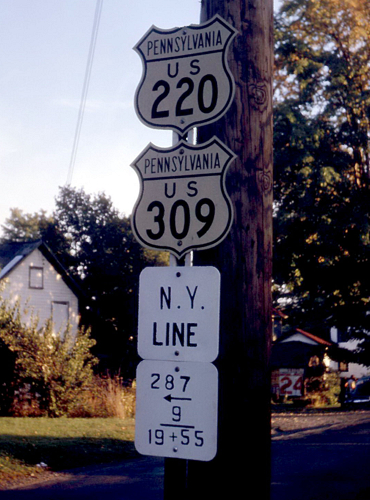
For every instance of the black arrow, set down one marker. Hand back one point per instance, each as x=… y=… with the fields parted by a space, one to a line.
x=170 y=398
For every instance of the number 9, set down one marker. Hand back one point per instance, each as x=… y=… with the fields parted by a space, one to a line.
x=208 y=218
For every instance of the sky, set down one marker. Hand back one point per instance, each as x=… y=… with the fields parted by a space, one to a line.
x=44 y=47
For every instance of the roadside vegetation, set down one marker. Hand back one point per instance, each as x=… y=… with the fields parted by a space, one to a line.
x=324 y=391
x=53 y=375
x=49 y=376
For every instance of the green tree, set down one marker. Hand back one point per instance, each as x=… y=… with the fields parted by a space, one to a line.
x=322 y=164
x=96 y=245
x=108 y=260
x=25 y=227
x=20 y=227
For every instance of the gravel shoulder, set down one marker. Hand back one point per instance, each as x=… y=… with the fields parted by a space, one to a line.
x=290 y=425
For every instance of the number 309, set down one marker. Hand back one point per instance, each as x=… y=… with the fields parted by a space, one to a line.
x=181 y=232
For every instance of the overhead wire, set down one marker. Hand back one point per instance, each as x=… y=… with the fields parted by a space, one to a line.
x=85 y=88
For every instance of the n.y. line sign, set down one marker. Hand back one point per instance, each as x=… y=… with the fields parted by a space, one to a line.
x=179 y=310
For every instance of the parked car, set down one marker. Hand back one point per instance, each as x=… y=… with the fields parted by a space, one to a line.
x=360 y=394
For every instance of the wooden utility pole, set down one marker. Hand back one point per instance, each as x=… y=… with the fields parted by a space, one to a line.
x=241 y=468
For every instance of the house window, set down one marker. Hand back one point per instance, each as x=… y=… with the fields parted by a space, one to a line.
x=343 y=335
x=36 y=277
x=343 y=366
x=60 y=316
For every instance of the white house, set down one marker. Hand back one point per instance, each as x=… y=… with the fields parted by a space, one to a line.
x=344 y=342
x=30 y=273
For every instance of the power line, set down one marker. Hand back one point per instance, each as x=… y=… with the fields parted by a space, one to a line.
x=90 y=59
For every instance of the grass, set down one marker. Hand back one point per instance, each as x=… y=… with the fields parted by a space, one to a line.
x=31 y=446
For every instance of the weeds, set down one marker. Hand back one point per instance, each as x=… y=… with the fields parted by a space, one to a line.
x=105 y=397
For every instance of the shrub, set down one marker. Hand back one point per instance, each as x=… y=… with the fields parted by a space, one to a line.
x=51 y=370
x=105 y=397
x=323 y=390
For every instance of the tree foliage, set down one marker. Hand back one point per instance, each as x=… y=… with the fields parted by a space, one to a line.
x=25 y=227
x=95 y=244
x=57 y=367
x=20 y=227
x=322 y=163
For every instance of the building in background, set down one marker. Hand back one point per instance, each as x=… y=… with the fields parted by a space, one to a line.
x=32 y=275
x=343 y=340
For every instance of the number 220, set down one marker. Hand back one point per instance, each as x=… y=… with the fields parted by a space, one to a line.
x=208 y=81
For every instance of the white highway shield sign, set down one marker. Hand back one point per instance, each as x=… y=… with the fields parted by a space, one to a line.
x=179 y=309
x=183 y=203
x=186 y=80
x=176 y=410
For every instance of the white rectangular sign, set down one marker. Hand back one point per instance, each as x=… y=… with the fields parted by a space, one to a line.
x=179 y=309
x=176 y=410
x=291 y=382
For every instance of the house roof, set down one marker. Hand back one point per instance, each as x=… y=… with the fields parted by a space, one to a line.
x=309 y=336
x=13 y=252
x=319 y=340
x=278 y=312
x=293 y=351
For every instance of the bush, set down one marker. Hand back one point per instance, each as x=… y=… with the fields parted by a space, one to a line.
x=105 y=397
x=50 y=370
x=323 y=390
